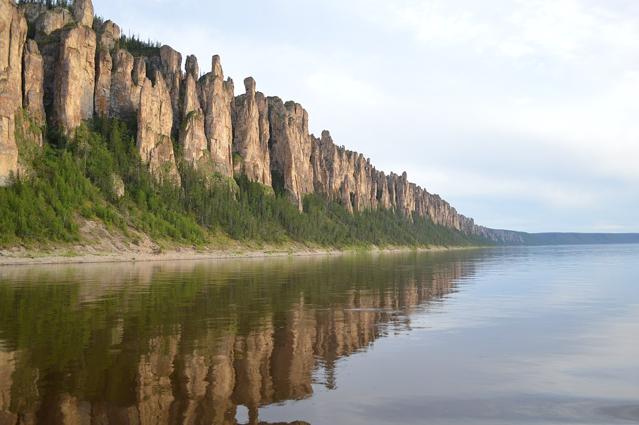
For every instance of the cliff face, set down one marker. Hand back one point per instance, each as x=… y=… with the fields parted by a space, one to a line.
x=13 y=32
x=70 y=72
x=155 y=120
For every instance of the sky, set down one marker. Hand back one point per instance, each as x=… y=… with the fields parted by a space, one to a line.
x=523 y=114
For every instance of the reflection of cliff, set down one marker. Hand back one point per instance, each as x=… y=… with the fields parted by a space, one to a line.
x=189 y=345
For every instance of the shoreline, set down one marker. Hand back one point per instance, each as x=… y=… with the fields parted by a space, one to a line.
x=41 y=258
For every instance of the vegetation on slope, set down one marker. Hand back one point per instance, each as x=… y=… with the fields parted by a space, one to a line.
x=76 y=178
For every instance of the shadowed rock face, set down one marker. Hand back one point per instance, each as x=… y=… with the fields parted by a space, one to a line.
x=251 y=134
x=13 y=32
x=127 y=79
x=33 y=80
x=155 y=120
x=171 y=68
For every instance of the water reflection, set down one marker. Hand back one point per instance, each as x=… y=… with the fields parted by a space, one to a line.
x=190 y=342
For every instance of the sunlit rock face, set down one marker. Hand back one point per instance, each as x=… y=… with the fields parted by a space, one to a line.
x=216 y=97
x=83 y=12
x=75 y=78
x=251 y=134
x=290 y=149
x=13 y=33
x=155 y=120
x=344 y=176
x=193 y=140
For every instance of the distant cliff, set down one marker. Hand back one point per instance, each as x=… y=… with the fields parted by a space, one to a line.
x=64 y=67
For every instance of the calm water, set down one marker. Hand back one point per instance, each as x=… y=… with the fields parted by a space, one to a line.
x=512 y=336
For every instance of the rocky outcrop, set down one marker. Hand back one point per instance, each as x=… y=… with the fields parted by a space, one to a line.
x=127 y=79
x=108 y=35
x=104 y=67
x=216 y=96
x=343 y=175
x=33 y=82
x=48 y=29
x=75 y=78
x=13 y=32
x=251 y=134
x=193 y=140
x=53 y=20
x=83 y=12
x=290 y=149
x=171 y=68
x=155 y=119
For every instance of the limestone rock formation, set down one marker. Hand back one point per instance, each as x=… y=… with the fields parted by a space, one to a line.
x=192 y=67
x=13 y=33
x=192 y=136
x=127 y=79
x=251 y=129
x=33 y=81
x=343 y=175
x=155 y=119
x=75 y=78
x=108 y=35
x=104 y=67
x=53 y=20
x=48 y=29
x=216 y=96
x=290 y=149
x=171 y=68
x=83 y=12
x=32 y=11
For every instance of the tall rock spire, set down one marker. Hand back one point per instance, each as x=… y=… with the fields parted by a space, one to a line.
x=13 y=33
x=251 y=129
x=216 y=96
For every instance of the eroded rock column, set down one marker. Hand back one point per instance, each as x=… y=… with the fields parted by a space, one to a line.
x=193 y=140
x=290 y=149
x=75 y=71
x=251 y=128
x=155 y=119
x=13 y=33
x=216 y=96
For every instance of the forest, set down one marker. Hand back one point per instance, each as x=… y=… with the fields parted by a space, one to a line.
x=98 y=175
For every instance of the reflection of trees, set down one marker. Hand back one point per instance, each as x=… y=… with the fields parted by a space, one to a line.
x=188 y=343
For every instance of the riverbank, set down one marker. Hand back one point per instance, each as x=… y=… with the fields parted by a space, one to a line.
x=20 y=257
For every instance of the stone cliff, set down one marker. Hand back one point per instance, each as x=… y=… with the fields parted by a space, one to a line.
x=71 y=69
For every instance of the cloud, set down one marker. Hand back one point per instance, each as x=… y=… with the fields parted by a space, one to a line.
x=565 y=29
